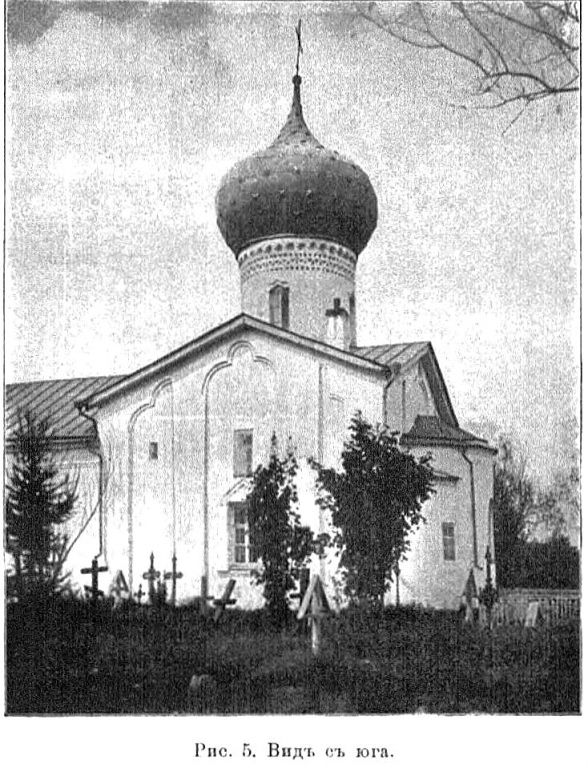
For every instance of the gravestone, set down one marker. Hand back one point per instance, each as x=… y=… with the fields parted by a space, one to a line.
x=533 y=614
x=314 y=607
x=119 y=589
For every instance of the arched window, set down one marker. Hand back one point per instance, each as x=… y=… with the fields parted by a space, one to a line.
x=279 y=306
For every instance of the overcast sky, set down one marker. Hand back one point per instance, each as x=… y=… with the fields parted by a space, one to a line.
x=123 y=117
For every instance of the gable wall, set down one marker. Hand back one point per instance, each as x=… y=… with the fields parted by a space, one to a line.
x=408 y=396
x=252 y=381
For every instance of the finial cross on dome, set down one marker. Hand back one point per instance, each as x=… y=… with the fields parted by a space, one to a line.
x=299 y=37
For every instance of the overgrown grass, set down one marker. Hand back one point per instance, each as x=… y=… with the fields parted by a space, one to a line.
x=64 y=658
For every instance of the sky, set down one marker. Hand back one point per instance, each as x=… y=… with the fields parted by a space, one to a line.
x=122 y=118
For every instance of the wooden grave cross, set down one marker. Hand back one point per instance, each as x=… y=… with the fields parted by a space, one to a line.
x=224 y=600
x=139 y=594
x=151 y=576
x=95 y=593
x=315 y=607
x=174 y=575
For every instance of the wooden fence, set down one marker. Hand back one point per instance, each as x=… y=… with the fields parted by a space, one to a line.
x=556 y=606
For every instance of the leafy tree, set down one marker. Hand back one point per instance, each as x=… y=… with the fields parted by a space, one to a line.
x=522 y=515
x=556 y=512
x=513 y=502
x=375 y=502
x=39 y=498
x=282 y=543
x=519 y=52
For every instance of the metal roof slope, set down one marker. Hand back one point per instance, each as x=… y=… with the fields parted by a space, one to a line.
x=391 y=354
x=432 y=430
x=55 y=401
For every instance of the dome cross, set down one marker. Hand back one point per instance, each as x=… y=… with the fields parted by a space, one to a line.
x=299 y=50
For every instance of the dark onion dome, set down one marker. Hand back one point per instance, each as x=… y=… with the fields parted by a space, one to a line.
x=296 y=187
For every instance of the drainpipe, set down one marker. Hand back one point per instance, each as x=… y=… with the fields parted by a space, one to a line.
x=320 y=439
x=82 y=408
x=470 y=463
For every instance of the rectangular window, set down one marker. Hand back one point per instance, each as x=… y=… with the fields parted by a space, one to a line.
x=448 y=532
x=279 y=306
x=243 y=551
x=242 y=452
x=153 y=451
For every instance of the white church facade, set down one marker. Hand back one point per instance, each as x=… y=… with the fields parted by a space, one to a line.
x=165 y=454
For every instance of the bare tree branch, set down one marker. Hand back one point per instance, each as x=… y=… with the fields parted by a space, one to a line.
x=524 y=51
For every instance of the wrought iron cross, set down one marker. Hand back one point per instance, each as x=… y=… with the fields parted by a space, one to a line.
x=174 y=575
x=151 y=576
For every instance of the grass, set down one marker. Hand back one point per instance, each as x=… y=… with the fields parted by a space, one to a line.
x=63 y=658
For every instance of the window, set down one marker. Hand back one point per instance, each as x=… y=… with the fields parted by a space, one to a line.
x=448 y=532
x=242 y=452
x=243 y=550
x=279 y=306
x=153 y=451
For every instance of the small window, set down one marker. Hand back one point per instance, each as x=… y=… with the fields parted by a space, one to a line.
x=279 y=306
x=242 y=452
x=153 y=451
x=448 y=532
x=243 y=550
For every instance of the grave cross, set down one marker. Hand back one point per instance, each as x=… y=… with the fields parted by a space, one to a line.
x=94 y=570
x=151 y=576
x=174 y=575
x=224 y=600
x=139 y=594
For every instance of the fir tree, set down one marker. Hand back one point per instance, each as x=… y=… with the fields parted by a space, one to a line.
x=39 y=498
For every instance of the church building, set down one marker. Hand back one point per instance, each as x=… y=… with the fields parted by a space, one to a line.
x=165 y=454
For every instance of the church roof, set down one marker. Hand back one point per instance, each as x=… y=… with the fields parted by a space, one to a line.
x=431 y=430
x=54 y=400
x=58 y=399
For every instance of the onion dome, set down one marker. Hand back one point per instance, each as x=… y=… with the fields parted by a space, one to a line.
x=296 y=187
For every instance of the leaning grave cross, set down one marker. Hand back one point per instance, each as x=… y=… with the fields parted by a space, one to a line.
x=224 y=600
x=315 y=607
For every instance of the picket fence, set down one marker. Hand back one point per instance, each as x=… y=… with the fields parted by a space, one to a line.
x=556 y=606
